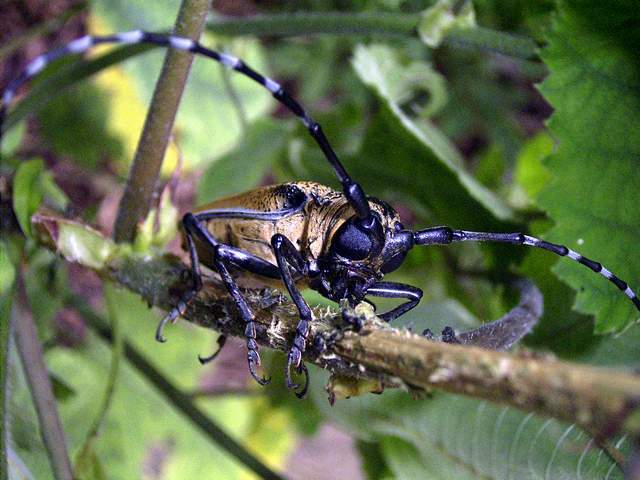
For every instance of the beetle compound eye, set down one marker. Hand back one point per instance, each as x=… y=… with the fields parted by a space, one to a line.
x=351 y=242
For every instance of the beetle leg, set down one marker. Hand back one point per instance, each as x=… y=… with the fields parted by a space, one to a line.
x=449 y=335
x=396 y=290
x=221 y=255
x=253 y=357
x=288 y=257
x=196 y=277
x=305 y=387
x=222 y=339
x=428 y=334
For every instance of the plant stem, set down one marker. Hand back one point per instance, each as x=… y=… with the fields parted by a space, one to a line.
x=177 y=398
x=156 y=134
x=6 y=328
x=37 y=375
x=369 y=23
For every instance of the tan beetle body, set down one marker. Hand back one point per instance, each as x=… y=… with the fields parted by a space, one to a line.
x=310 y=229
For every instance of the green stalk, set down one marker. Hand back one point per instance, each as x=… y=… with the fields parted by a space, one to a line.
x=307 y=23
x=30 y=351
x=156 y=134
x=370 y=23
x=7 y=288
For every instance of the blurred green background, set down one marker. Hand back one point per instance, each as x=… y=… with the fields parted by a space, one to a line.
x=474 y=133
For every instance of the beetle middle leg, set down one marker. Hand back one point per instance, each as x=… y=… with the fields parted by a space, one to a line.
x=289 y=257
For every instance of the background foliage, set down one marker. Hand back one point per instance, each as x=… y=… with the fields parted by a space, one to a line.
x=449 y=135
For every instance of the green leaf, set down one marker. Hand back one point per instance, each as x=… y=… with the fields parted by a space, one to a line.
x=615 y=350
x=379 y=66
x=490 y=168
x=75 y=241
x=31 y=185
x=54 y=194
x=406 y=462
x=594 y=88
x=453 y=437
x=373 y=462
x=530 y=173
x=425 y=163
x=12 y=139
x=247 y=164
x=52 y=85
x=7 y=269
x=61 y=389
x=438 y=19
x=76 y=125
x=27 y=192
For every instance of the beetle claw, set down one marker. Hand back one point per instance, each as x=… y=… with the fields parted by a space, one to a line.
x=261 y=380
x=160 y=328
x=294 y=362
x=221 y=341
x=303 y=369
x=254 y=361
x=172 y=317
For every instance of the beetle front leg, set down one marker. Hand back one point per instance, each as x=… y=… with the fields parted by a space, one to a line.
x=396 y=290
x=289 y=257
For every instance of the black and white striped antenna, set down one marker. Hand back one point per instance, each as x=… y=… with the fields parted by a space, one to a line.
x=351 y=189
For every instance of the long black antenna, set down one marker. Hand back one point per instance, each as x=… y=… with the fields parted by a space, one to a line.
x=446 y=235
x=352 y=190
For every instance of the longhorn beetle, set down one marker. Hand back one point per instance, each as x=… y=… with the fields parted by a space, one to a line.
x=301 y=234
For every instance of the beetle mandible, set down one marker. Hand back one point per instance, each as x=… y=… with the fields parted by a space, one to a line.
x=303 y=234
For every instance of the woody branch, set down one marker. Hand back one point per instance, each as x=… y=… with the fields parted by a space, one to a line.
x=598 y=400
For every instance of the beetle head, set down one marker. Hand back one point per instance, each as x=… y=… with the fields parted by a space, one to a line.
x=361 y=252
